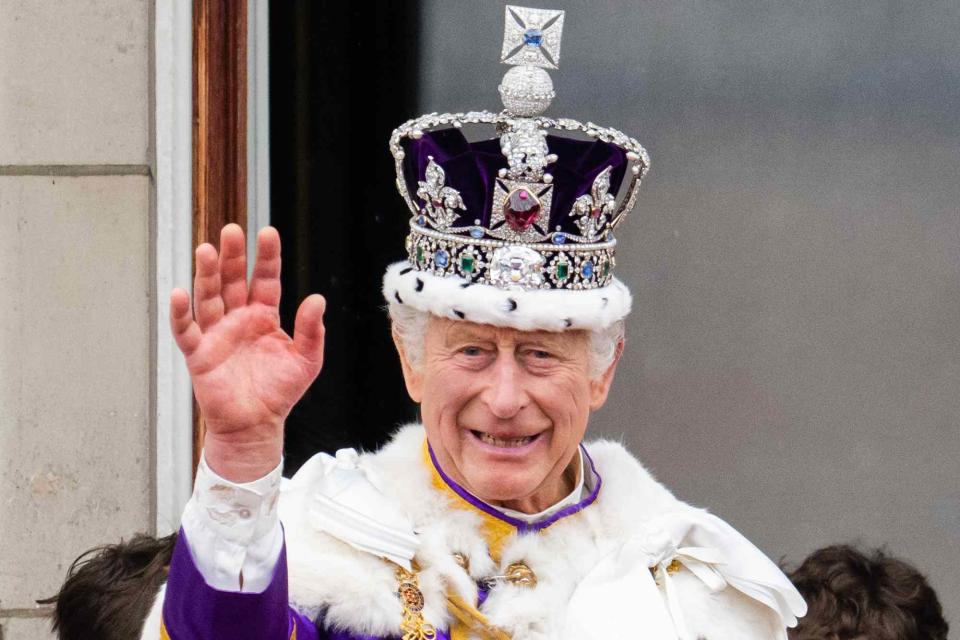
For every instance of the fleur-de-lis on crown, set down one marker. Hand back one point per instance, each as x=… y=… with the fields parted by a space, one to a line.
x=441 y=200
x=595 y=208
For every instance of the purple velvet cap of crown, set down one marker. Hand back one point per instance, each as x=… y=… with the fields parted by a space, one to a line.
x=471 y=168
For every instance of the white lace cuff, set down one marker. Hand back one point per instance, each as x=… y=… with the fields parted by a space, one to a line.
x=233 y=529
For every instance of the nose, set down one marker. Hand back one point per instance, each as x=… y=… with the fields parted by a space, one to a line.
x=505 y=395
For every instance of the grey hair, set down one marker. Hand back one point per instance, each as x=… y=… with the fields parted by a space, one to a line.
x=410 y=324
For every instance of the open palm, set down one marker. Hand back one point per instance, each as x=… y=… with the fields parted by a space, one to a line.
x=247 y=373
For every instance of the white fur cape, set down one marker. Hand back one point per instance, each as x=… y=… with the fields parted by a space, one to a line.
x=593 y=569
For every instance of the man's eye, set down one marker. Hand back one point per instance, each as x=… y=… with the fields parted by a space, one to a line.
x=471 y=351
x=540 y=354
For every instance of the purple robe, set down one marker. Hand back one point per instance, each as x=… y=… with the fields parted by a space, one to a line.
x=192 y=610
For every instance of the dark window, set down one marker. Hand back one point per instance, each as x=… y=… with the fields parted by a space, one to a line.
x=341 y=78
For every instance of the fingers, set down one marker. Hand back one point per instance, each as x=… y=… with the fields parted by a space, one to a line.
x=186 y=332
x=233 y=267
x=265 y=283
x=207 y=302
x=308 y=329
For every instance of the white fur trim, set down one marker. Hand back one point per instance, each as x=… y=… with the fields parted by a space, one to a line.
x=358 y=591
x=151 y=628
x=548 y=309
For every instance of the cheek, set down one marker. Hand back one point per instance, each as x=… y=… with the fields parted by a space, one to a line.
x=566 y=401
x=445 y=394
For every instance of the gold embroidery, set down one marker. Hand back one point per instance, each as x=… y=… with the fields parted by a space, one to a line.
x=412 y=625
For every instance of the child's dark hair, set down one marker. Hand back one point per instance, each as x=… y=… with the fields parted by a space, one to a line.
x=109 y=590
x=852 y=595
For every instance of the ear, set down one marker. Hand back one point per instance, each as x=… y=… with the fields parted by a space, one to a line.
x=600 y=387
x=411 y=376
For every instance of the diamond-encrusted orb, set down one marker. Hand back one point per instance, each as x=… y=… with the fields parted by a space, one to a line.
x=521 y=209
x=516 y=268
x=526 y=91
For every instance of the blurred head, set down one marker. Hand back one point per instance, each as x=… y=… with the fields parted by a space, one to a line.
x=505 y=410
x=855 y=596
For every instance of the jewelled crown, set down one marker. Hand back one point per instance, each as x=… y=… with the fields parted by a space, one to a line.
x=535 y=207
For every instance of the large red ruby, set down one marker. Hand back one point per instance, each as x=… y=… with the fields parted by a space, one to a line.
x=521 y=210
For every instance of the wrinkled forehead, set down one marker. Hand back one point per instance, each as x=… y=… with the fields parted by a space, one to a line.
x=448 y=331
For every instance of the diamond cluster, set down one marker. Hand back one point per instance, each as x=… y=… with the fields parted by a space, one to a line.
x=524 y=145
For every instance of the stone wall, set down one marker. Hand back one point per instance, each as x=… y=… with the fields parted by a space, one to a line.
x=75 y=286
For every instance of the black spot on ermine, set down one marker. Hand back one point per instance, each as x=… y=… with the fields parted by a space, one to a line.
x=396 y=294
x=419 y=284
x=459 y=314
x=405 y=271
x=513 y=304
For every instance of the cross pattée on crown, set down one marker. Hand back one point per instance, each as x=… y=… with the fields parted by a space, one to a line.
x=532 y=37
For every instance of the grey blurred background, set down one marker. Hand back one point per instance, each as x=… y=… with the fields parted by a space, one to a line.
x=794 y=351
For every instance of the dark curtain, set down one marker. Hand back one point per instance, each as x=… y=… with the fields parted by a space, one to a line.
x=341 y=78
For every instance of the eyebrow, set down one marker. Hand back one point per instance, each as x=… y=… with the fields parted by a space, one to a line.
x=468 y=334
x=542 y=338
x=546 y=340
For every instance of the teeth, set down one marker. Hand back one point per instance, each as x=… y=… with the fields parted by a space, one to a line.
x=499 y=442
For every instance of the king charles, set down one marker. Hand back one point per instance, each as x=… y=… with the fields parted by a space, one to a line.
x=496 y=517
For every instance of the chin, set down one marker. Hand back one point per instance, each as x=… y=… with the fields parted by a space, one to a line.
x=499 y=473
x=501 y=485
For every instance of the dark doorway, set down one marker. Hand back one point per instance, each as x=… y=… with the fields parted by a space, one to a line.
x=341 y=78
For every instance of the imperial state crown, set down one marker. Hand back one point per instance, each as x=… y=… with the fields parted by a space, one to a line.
x=516 y=229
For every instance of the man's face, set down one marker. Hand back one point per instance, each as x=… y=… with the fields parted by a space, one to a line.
x=505 y=409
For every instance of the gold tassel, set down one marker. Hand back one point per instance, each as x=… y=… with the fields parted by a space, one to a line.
x=470 y=622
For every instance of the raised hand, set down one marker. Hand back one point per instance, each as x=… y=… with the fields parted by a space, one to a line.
x=247 y=373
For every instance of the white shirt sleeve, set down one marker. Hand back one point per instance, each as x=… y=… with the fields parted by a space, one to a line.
x=233 y=530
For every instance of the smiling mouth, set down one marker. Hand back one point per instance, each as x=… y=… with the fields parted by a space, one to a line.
x=505 y=443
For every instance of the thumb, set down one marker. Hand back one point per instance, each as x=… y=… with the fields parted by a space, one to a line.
x=308 y=330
